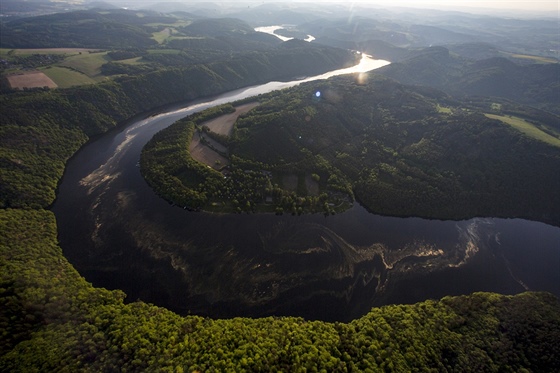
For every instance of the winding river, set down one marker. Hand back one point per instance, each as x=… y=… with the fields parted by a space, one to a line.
x=120 y=235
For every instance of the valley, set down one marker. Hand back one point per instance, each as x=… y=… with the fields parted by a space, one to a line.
x=378 y=193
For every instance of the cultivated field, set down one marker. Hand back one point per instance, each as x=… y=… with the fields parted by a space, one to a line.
x=30 y=79
x=87 y=63
x=204 y=154
x=224 y=124
x=64 y=77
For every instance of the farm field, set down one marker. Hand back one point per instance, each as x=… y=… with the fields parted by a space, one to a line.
x=88 y=64
x=223 y=125
x=30 y=79
x=205 y=154
x=64 y=77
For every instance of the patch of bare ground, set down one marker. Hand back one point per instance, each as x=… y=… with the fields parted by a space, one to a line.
x=290 y=182
x=224 y=124
x=30 y=79
x=311 y=185
x=204 y=154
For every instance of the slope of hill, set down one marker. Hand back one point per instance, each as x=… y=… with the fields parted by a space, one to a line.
x=53 y=320
x=82 y=29
x=536 y=84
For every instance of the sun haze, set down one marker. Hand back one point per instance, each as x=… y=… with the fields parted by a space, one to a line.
x=534 y=6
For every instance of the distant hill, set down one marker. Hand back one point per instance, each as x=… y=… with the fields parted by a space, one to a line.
x=29 y=8
x=358 y=29
x=81 y=29
x=429 y=35
x=224 y=34
x=474 y=51
x=101 y=5
x=218 y=26
x=536 y=84
x=267 y=14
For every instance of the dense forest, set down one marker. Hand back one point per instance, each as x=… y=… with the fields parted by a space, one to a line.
x=51 y=319
x=400 y=150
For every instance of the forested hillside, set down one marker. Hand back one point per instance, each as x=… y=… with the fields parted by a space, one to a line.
x=400 y=150
x=84 y=29
x=52 y=320
x=536 y=84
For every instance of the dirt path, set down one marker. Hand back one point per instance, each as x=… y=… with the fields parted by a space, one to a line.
x=223 y=125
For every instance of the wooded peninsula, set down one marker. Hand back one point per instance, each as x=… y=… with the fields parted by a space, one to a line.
x=399 y=150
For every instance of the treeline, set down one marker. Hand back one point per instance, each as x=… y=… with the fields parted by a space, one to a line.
x=42 y=129
x=51 y=319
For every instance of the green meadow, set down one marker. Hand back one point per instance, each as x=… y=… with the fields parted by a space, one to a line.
x=64 y=77
x=87 y=63
x=527 y=128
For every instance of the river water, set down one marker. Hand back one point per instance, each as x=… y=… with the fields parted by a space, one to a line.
x=120 y=235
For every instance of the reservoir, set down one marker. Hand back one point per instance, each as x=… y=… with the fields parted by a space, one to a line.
x=120 y=235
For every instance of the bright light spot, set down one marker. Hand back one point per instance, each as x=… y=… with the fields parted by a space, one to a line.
x=318 y=94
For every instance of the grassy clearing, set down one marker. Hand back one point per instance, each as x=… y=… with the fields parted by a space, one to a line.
x=539 y=59
x=87 y=63
x=443 y=109
x=65 y=77
x=132 y=61
x=179 y=23
x=527 y=128
x=162 y=36
x=496 y=106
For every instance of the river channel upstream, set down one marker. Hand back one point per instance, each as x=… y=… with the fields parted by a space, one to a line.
x=120 y=235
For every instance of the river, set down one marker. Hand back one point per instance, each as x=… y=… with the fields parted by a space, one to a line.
x=118 y=234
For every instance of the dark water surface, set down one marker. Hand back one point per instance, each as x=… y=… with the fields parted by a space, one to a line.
x=120 y=235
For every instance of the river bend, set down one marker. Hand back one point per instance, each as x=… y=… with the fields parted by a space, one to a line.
x=120 y=235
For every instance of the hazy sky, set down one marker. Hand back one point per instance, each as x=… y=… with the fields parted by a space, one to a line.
x=546 y=5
